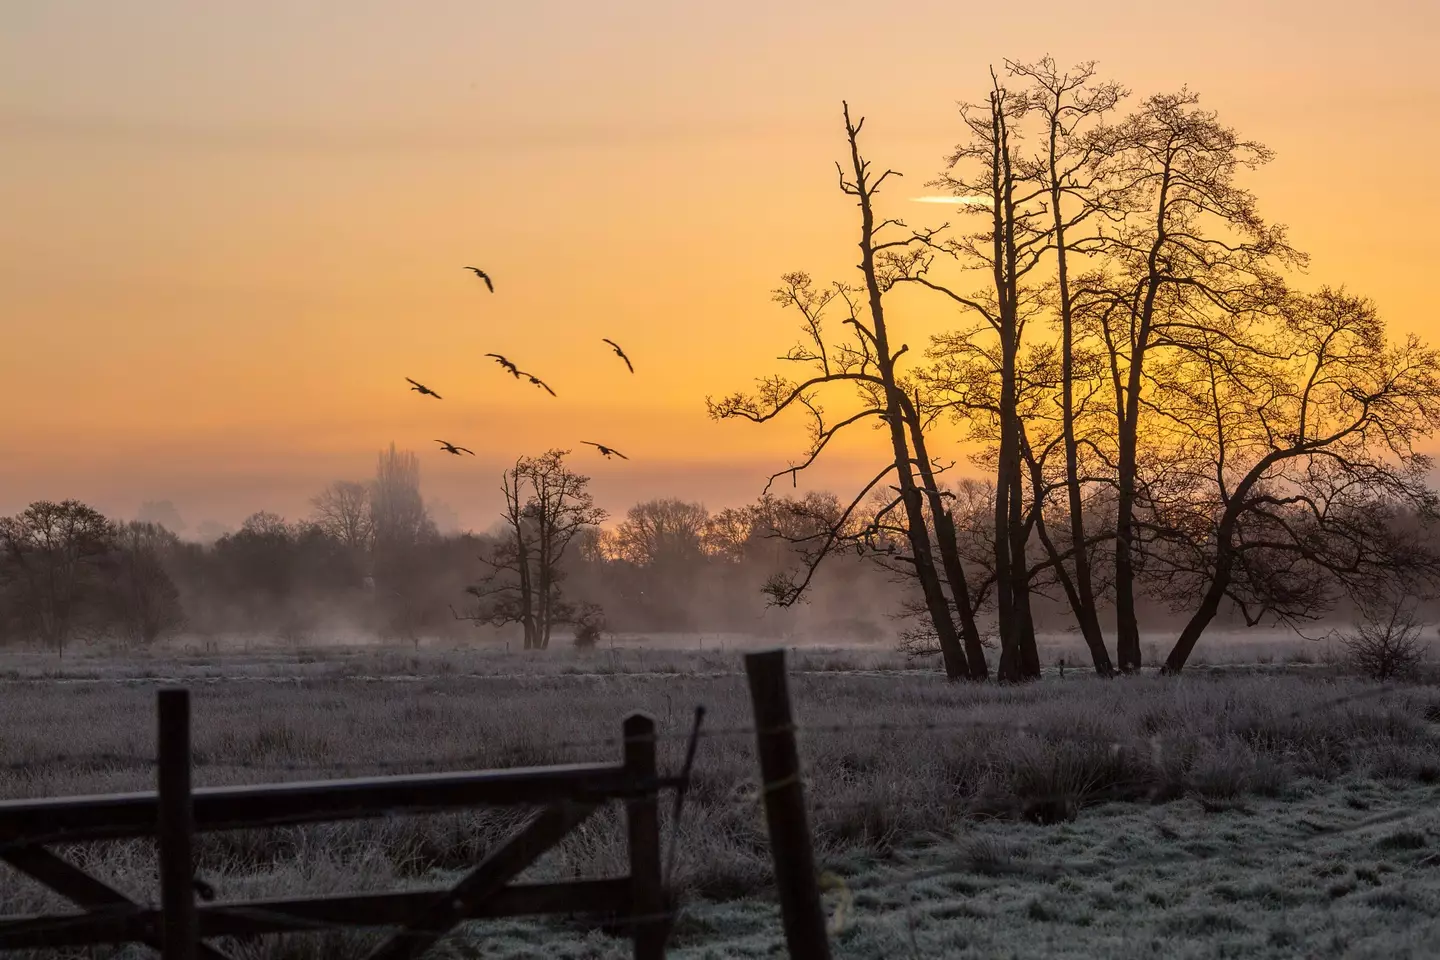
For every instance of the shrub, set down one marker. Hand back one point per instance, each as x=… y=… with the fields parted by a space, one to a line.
x=1386 y=642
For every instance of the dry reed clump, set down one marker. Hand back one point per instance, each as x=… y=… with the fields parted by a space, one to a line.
x=953 y=752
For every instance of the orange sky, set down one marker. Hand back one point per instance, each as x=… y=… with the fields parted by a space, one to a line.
x=229 y=230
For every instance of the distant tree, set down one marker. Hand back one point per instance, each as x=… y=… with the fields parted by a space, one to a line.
x=145 y=600
x=254 y=568
x=397 y=510
x=399 y=526
x=342 y=510
x=54 y=553
x=667 y=532
x=506 y=591
x=548 y=507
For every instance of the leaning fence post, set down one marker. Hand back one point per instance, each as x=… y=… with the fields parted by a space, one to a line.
x=784 y=797
x=176 y=829
x=650 y=926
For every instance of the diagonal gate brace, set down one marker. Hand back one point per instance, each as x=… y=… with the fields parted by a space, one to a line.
x=82 y=889
x=487 y=879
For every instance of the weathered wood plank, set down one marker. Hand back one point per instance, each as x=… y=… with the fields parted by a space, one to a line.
x=117 y=816
x=487 y=879
x=127 y=921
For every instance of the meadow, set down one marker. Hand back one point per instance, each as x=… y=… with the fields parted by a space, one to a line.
x=1265 y=805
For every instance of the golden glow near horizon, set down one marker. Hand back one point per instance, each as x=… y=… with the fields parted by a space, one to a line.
x=232 y=230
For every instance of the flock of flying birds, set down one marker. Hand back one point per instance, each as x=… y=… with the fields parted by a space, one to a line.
x=517 y=373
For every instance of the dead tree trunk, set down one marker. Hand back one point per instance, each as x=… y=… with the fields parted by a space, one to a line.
x=956 y=662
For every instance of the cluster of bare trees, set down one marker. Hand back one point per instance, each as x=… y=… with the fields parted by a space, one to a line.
x=68 y=571
x=1155 y=403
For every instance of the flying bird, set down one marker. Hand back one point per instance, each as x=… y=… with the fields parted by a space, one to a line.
x=483 y=276
x=607 y=451
x=449 y=447
x=423 y=390
x=620 y=353
x=509 y=367
x=540 y=383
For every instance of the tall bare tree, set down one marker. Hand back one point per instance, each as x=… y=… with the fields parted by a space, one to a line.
x=548 y=507
x=1187 y=254
x=866 y=364
x=1070 y=166
x=506 y=591
x=987 y=172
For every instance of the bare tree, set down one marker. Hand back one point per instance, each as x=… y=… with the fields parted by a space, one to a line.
x=343 y=511
x=53 y=552
x=506 y=592
x=1387 y=641
x=1187 y=253
x=1069 y=167
x=1295 y=460
x=548 y=507
x=667 y=531
x=866 y=364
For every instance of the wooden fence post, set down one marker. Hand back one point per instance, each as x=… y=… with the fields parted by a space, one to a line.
x=784 y=797
x=648 y=898
x=176 y=829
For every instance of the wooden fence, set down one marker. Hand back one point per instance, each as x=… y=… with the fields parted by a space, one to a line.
x=567 y=795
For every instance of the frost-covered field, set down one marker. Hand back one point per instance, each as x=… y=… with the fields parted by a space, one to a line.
x=1285 y=812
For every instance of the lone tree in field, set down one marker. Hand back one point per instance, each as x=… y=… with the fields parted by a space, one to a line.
x=864 y=363
x=547 y=507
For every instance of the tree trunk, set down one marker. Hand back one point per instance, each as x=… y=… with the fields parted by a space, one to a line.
x=917 y=530
x=527 y=592
x=1082 y=593
x=1094 y=640
x=973 y=653
x=1029 y=662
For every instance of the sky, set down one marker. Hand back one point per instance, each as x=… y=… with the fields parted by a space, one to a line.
x=231 y=230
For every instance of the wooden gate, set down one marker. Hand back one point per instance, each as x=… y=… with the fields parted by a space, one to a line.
x=566 y=796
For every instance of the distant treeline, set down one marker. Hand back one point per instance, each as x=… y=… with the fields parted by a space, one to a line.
x=368 y=562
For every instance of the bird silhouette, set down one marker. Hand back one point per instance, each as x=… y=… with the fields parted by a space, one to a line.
x=423 y=390
x=607 y=451
x=539 y=383
x=620 y=353
x=483 y=276
x=509 y=367
x=449 y=447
